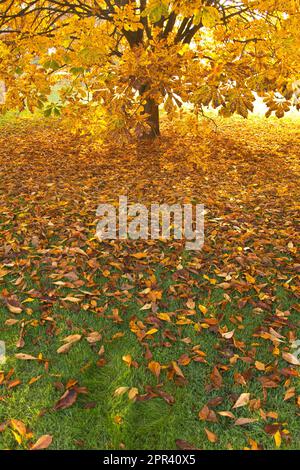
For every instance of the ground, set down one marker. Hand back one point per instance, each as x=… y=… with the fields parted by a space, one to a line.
x=142 y=344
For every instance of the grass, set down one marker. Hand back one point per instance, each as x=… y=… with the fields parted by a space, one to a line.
x=100 y=420
x=143 y=425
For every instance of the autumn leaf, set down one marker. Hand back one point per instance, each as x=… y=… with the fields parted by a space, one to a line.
x=25 y=357
x=202 y=309
x=14 y=305
x=184 y=445
x=155 y=368
x=216 y=378
x=139 y=255
x=34 y=379
x=100 y=99
x=228 y=334
x=244 y=421
x=177 y=369
x=14 y=383
x=291 y=359
x=250 y=278
x=67 y=400
x=42 y=443
x=94 y=337
x=228 y=414
x=260 y=365
x=206 y=414
x=127 y=359
x=132 y=394
x=18 y=426
x=243 y=400
x=151 y=332
x=290 y=393
x=120 y=391
x=72 y=338
x=164 y=317
x=64 y=348
x=212 y=437
x=277 y=438
x=11 y=321
x=190 y=304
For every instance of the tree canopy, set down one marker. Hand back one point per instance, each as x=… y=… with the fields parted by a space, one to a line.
x=112 y=62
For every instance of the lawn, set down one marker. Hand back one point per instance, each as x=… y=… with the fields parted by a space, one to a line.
x=164 y=348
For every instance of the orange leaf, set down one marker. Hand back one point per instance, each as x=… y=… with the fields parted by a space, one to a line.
x=42 y=443
x=242 y=400
x=155 y=368
x=212 y=437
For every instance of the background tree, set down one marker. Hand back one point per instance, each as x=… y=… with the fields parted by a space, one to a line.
x=113 y=62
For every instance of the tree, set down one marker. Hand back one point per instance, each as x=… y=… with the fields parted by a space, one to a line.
x=113 y=62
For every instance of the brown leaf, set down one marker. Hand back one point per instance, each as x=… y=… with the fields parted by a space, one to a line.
x=242 y=400
x=177 y=369
x=228 y=414
x=64 y=348
x=290 y=393
x=216 y=378
x=155 y=368
x=206 y=414
x=94 y=337
x=42 y=443
x=139 y=255
x=13 y=305
x=14 y=383
x=68 y=399
x=11 y=322
x=184 y=445
x=260 y=365
x=291 y=359
x=243 y=421
x=3 y=426
x=120 y=391
x=133 y=392
x=25 y=357
x=272 y=428
x=212 y=437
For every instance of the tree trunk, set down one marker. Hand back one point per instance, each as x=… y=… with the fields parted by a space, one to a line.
x=152 y=111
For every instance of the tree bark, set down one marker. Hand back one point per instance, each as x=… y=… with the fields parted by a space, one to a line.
x=152 y=111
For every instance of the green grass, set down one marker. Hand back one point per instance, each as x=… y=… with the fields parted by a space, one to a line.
x=117 y=422
x=152 y=424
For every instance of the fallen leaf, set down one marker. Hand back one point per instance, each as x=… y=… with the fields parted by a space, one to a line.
x=18 y=426
x=277 y=438
x=242 y=400
x=243 y=421
x=212 y=437
x=64 y=348
x=260 y=365
x=228 y=414
x=155 y=368
x=202 y=309
x=94 y=337
x=184 y=445
x=291 y=359
x=216 y=378
x=120 y=391
x=25 y=357
x=133 y=392
x=68 y=399
x=42 y=443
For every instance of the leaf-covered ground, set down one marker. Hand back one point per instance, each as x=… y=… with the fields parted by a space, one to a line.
x=141 y=344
